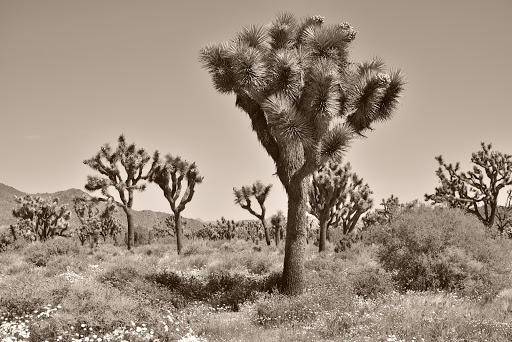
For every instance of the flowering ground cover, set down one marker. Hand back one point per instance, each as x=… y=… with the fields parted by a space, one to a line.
x=228 y=291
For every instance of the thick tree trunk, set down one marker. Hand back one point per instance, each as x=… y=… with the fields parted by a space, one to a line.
x=267 y=233
x=294 y=257
x=129 y=218
x=178 y=232
x=323 y=233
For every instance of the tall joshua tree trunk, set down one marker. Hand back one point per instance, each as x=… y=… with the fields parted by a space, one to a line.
x=129 y=219
x=323 y=233
x=178 y=232
x=293 y=281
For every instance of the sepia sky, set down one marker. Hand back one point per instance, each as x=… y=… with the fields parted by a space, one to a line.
x=76 y=74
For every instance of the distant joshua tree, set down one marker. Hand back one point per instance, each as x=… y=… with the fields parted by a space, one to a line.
x=338 y=196
x=278 y=222
x=504 y=216
x=109 y=163
x=41 y=219
x=306 y=101
x=474 y=191
x=169 y=173
x=260 y=192
x=392 y=207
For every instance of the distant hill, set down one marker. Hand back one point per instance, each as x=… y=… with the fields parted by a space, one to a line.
x=145 y=218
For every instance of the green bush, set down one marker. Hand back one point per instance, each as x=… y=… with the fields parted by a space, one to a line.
x=326 y=291
x=39 y=253
x=370 y=282
x=440 y=249
x=119 y=275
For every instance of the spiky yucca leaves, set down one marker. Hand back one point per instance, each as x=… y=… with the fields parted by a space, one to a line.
x=477 y=190
x=260 y=192
x=122 y=169
x=170 y=173
x=294 y=80
x=278 y=222
x=41 y=219
x=337 y=196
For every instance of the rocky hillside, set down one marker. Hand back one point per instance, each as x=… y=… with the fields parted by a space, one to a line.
x=145 y=218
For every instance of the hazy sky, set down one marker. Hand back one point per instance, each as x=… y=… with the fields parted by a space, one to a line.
x=76 y=74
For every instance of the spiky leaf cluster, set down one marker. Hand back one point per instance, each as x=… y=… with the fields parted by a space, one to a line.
x=294 y=79
x=41 y=218
x=477 y=190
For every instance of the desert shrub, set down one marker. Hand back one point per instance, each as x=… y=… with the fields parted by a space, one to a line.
x=371 y=282
x=440 y=248
x=39 y=253
x=26 y=292
x=102 y=307
x=6 y=239
x=326 y=292
x=322 y=262
x=197 y=247
x=218 y=288
x=118 y=275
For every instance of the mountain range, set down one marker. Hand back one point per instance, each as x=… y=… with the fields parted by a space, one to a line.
x=145 y=218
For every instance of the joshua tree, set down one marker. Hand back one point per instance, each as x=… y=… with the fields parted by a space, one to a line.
x=337 y=196
x=475 y=191
x=41 y=219
x=169 y=174
x=260 y=192
x=278 y=221
x=305 y=100
x=109 y=163
x=88 y=215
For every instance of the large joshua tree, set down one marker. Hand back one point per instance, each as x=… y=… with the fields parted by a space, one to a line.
x=337 y=196
x=109 y=163
x=260 y=192
x=305 y=100
x=475 y=191
x=170 y=173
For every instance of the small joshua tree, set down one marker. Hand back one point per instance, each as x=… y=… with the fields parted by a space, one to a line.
x=260 y=192
x=169 y=173
x=337 y=197
x=475 y=191
x=278 y=222
x=41 y=219
x=88 y=215
x=110 y=163
x=306 y=101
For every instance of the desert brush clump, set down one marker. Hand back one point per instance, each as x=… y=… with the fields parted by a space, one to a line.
x=429 y=248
